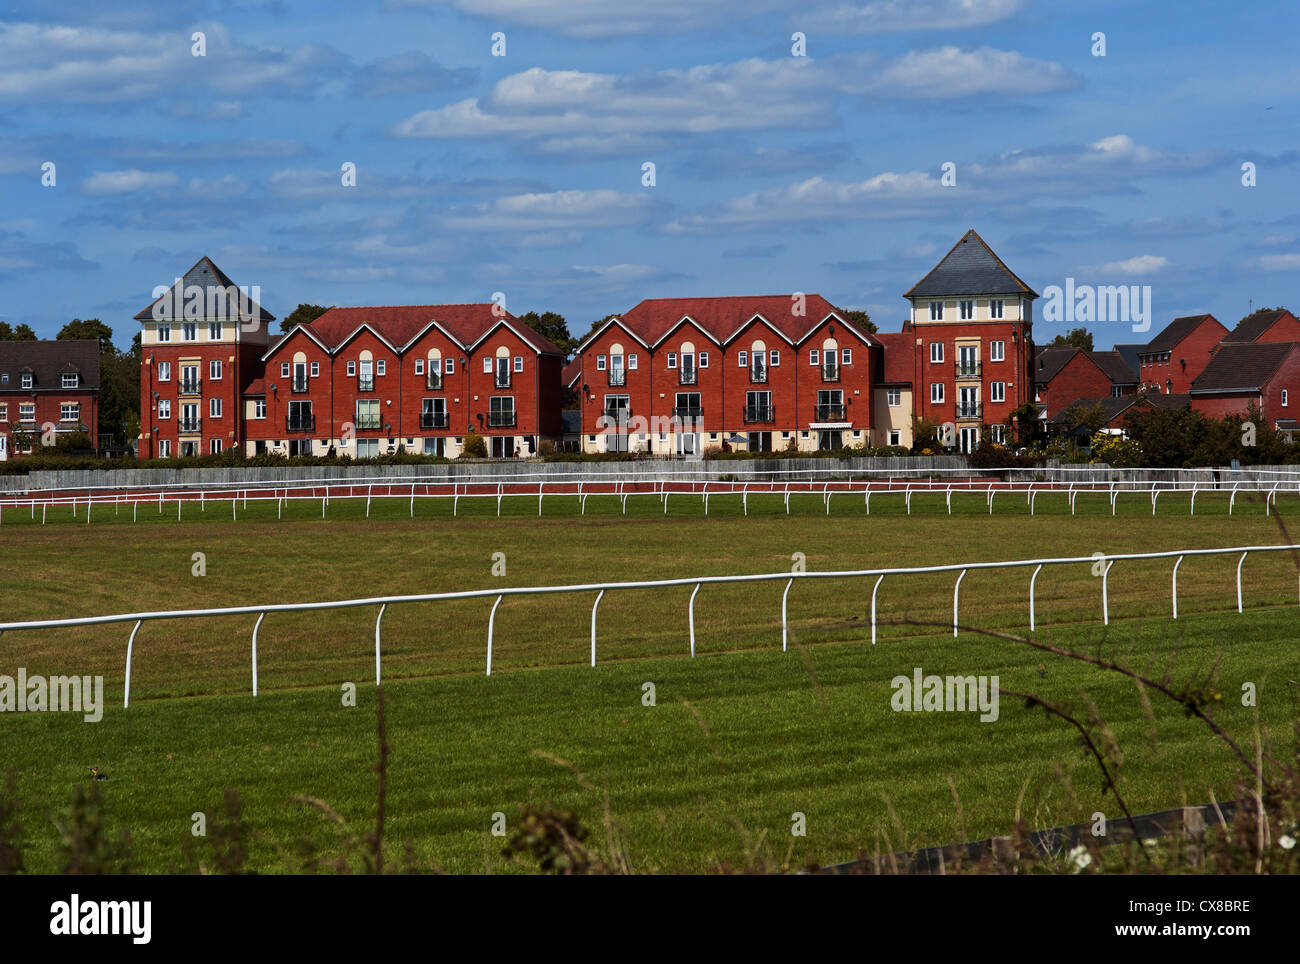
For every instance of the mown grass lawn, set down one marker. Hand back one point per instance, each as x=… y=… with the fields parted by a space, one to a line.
x=741 y=737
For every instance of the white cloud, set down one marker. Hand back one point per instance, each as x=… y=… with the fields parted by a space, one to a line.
x=554 y=211
x=891 y=16
x=124 y=182
x=950 y=72
x=1142 y=264
x=1280 y=262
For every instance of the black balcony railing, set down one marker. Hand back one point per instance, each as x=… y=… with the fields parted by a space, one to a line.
x=502 y=380
x=758 y=374
x=433 y=420
x=617 y=376
x=365 y=383
x=830 y=373
x=967 y=369
x=298 y=385
x=688 y=411
x=369 y=422
x=501 y=419
x=968 y=411
x=190 y=425
x=830 y=413
x=433 y=381
x=759 y=413
x=300 y=423
x=191 y=386
x=687 y=376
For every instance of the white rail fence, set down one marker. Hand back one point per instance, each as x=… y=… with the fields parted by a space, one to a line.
x=1103 y=561
x=583 y=489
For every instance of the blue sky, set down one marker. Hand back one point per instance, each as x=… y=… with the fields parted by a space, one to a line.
x=523 y=173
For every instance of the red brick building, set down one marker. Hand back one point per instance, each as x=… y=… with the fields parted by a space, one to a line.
x=1063 y=374
x=47 y=389
x=1264 y=374
x=1175 y=357
x=1264 y=326
x=972 y=328
x=673 y=376
x=417 y=378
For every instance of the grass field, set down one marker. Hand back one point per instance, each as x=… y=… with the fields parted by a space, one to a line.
x=740 y=738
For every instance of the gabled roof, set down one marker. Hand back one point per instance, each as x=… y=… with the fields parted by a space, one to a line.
x=1113 y=364
x=1253 y=326
x=572 y=372
x=1114 y=407
x=1048 y=361
x=400 y=325
x=970 y=268
x=722 y=318
x=206 y=275
x=896 y=359
x=1174 y=332
x=1130 y=355
x=47 y=360
x=1244 y=367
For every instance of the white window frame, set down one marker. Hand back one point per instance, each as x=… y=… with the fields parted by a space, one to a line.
x=315 y=369
x=704 y=359
x=519 y=363
x=214 y=331
x=966 y=309
x=75 y=408
x=214 y=446
x=814 y=357
x=742 y=359
x=773 y=358
x=449 y=366
x=936 y=311
x=487 y=364
x=1284 y=398
x=164 y=448
x=381 y=367
x=997 y=308
x=164 y=332
x=419 y=366
x=190 y=331
x=214 y=369
x=352 y=370
x=284 y=369
x=68 y=380
x=631 y=362
x=214 y=408
x=26 y=381
x=997 y=351
x=164 y=371
x=936 y=353
x=164 y=409
x=997 y=391
x=894 y=397
x=600 y=363
x=672 y=359
x=936 y=393
x=846 y=356
x=259 y=408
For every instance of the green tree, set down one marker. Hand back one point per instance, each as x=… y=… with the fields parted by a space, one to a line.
x=475 y=447
x=302 y=315
x=92 y=329
x=1075 y=338
x=861 y=318
x=16 y=332
x=552 y=327
x=1093 y=416
x=1168 y=437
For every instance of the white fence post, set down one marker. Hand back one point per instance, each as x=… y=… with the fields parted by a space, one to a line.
x=256 y=627
x=690 y=615
x=956 y=589
x=785 y=623
x=126 y=686
x=378 y=619
x=492 y=616
x=1033 y=579
x=599 y=596
x=1105 y=596
x=1177 y=563
x=1239 y=562
x=875 y=589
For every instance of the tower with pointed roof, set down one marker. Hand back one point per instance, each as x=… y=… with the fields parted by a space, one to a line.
x=971 y=323
x=200 y=343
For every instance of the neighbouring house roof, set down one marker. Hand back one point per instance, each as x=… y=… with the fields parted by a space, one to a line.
x=1175 y=332
x=47 y=361
x=1243 y=367
x=1252 y=326
x=897 y=367
x=721 y=318
x=1113 y=364
x=1130 y=353
x=970 y=268
x=572 y=372
x=1048 y=362
x=399 y=325
x=1114 y=407
x=256 y=387
x=206 y=275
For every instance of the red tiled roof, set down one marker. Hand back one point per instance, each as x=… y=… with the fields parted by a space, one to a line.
x=256 y=387
x=398 y=324
x=898 y=357
x=571 y=372
x=721 y=317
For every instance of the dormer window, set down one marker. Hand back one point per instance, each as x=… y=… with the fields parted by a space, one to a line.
x=27 y=380
x=70 y=380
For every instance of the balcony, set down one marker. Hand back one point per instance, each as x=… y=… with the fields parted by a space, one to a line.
x=501 y=380
x=830 y=413
x=758 y=374
x=189 y=426
x=688 y=411
x=365 y=383
x=687 y=376
x=830 y=373
x=759 y=414
x=968 y=411
x=298 y=385
x=369 y=422
x=191 y=386
x=501 y=419
x=967 y=369
x=617 y=377
x=433 y=420
x=300 y=423
x=433 y=381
